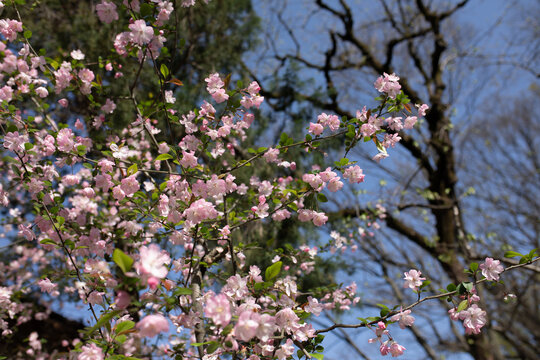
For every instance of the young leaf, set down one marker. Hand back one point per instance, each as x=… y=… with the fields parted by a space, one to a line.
x=511 y=254
x=272 y=271
x=132 y=169
x=164 y=157
x=176 y=82
x=124 y=325
x=123 y=260
x=462 y=305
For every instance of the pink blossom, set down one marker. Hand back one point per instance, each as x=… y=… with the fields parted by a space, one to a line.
x=218 y=309
x=404 y=318
x=384 y=348
x=122 y=299
x=107 y=12
x=491 y=269
x=285 y=350
x=281 y=215
x=140 y=33
x=396 y=349
x=118 y=193
x=314 y=180
x=314 y=306
x=6 y=93
x=86 y=76
x=91 y=352
x=63 y=102
x=199 y=211
x=413 y=279
x=335 y=184
x=15 y=142
x=380 y=156
x=271 y=155
x=220 y=96
x=47 y=286
x=188 y=159
x=473 y=318
x=152 y=261
x=42 y=92
x=216 y=187
x=287 y=319
x=9 y=28
x=422 y=109
x=103 y=181
x=26 y=231
x=388 y=84
x=35 y=186
x=105 y=165
x=77 y=55
x=354 y=174
x=394 y=123
x=247 y=325
x=332 y=121
x=152 y=325
x=109 y=107
x=214 y=83
x=267 y=327
x=319 y=218
x=169 y=97
x=316 y=129
x=305 y=215
x=64 y=139
x=130 y=185
x=409 y=122
x=253 y=88
x=95 y=298
x=236 y=287
x=380 y=330
x=390 y=140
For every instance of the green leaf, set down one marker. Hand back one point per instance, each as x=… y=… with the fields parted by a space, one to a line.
x=164 y=71
x=474 y=267
x=164 y=157
x=60 y=220
x=146 y=9
x=132 y=169
x=105 y=318
x=451 y=287
x=81 y=150
x=462 y=305
x=201 y=344
x=27 y=34
x=317 y=356
x=182 y=291
x=511 y=254
x=293 y=206
x=322 y=198
x=28 y=146
x=120 y=339
x=124 y=325
x=212 y=347
x=123 y=260
x=272 y=271
x=47 y=242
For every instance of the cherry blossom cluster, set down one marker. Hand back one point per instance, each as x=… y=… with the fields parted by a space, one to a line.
x=142 y=228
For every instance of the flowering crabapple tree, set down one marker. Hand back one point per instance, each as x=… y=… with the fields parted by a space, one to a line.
x=139 y=229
